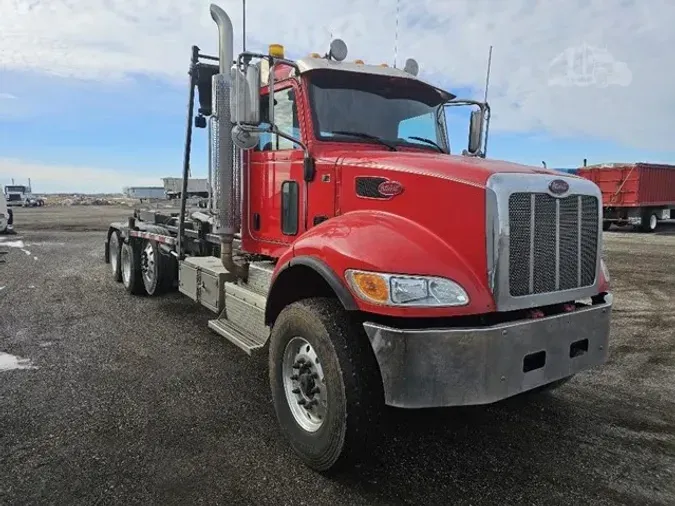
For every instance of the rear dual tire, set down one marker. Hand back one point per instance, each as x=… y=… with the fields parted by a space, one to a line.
x=114 y=253
x=141 y=267
x=648 y=222
x=130 y=264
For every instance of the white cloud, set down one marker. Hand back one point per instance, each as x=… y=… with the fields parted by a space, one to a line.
x=7 y=96
x=70 y=179
x=115 y=39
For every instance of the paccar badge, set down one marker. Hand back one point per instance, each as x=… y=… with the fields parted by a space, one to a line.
x=558 y=187
x=390 y=188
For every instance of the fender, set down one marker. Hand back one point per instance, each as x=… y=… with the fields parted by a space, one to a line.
x=385 y=242
x=337 y=285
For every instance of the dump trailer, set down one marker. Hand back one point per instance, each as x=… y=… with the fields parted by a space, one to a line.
x=173 y=187
x=640 y=194
x=369 y=263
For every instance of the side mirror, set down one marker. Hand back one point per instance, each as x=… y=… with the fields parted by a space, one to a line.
x=308 y=169
x=245 y=95
x=244 y=139
x=475 y=132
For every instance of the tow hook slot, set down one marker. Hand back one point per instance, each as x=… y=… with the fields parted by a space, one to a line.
x=578 y=348
x=534 y=361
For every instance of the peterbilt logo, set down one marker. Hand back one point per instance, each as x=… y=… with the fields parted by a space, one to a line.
x=558 y=187
x=390 y=188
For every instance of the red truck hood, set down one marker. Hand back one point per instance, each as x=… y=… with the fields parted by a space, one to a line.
x=475 y=171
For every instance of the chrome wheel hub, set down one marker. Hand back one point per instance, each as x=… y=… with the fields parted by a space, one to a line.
x=304 y=384
x=114 y=252
x=126 y=266
x=148 y=264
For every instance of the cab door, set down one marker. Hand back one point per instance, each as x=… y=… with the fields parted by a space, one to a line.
x=275 y=175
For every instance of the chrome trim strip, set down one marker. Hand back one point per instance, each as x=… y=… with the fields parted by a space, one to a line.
x=533 y=212
x=579 y=228
x=557 y=245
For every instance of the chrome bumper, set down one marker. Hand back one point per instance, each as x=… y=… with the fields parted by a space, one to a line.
x=464 y=366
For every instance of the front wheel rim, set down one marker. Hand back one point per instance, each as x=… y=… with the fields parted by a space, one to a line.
x=652 y=221
x=304 y=384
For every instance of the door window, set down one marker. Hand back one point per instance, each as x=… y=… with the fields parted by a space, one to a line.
x=285 y=118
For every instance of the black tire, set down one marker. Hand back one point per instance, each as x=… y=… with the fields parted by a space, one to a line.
x=606 y=225
x=130 y=263
x=352 y=378
x=648 y=222
x=114 y=254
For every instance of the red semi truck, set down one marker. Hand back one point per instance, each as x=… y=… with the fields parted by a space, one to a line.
x=372 y=265
x=639 y=194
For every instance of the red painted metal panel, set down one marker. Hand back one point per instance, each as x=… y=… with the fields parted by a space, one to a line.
x=633 y=185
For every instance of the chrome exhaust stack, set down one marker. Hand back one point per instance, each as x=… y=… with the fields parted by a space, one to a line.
x=222 y=149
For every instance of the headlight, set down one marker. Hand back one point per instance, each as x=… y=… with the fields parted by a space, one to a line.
x=402 y=290
x=605 y=270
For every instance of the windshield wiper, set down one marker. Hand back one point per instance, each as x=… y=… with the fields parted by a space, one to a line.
x=362 y=135
x=428 y=141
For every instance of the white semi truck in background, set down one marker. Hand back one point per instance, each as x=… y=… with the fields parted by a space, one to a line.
x=21 y=195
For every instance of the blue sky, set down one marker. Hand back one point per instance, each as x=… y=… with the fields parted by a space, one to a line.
x=95 y=118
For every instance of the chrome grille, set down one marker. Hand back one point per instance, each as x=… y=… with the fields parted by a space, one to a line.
x=553 y=242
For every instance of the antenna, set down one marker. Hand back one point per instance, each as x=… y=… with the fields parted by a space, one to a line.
x=487 y=76
x=243 y=8
x=398 y=2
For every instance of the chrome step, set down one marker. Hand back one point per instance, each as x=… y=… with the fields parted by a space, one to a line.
x=259 y=277
x=239 y=337
x=245 y=309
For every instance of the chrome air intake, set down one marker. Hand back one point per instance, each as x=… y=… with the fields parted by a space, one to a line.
x=542 y=248
x=221 y=157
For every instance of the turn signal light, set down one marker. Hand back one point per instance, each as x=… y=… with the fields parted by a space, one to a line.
x=358 y=62
x=314 y=55
x=373 y=286
x=383 y=65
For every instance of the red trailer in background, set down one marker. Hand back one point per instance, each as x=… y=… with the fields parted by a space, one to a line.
x=639 y=194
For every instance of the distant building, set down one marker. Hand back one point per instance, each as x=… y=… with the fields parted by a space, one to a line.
x=173 y=187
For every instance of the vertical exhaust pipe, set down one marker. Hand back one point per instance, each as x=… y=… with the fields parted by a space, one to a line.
x=222 y=154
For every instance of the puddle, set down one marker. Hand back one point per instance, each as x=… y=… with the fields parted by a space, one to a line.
x=16 y=244
x=13 y=244
x=9 y=362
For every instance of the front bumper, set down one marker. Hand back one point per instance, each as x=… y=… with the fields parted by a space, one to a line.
x=464 y=366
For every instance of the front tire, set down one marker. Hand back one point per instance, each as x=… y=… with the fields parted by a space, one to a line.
x=325 y=383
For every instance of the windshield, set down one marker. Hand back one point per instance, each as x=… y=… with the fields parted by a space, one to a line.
x=15 y=189
x=392 y=109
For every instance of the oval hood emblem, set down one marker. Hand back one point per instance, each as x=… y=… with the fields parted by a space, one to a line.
x=390 y=188
x=558 y=186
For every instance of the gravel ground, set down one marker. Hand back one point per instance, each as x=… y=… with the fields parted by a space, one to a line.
x=134 y=400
